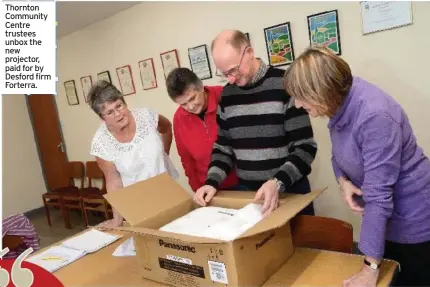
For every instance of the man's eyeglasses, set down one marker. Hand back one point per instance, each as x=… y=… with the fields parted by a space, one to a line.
x=233 y=72
x=117 y=108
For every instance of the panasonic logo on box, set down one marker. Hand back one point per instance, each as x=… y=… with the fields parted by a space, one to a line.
x=265 y=240
x=177 y=246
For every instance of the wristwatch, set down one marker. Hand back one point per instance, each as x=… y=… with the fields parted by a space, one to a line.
x=280 y=184
x=372 y=265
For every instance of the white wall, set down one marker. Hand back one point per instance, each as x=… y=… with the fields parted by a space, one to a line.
x=398 y=65
x=23 y=183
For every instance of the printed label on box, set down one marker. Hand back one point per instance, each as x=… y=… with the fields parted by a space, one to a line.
x=179 y=259
x=218 y=272
x=183 y=268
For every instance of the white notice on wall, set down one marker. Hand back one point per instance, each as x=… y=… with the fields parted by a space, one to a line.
x=29 y=47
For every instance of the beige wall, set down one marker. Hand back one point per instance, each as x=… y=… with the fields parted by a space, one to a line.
x=23 y=182
x=398 y=65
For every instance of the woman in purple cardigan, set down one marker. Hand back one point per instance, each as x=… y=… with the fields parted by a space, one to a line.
x=381 y=170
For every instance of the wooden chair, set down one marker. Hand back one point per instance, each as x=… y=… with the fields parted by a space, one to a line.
x=55 y=200
x=322 y=233
x=92 y=173
x=92 y=197
x=75 y=170
x=96 y=204
x=12 y=241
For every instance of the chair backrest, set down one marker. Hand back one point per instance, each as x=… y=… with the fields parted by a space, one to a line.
x=93 y=171
x=322 y=233
x=76 y=170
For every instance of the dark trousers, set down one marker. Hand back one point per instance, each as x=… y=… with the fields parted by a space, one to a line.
x=300 y=187
x=414 y=260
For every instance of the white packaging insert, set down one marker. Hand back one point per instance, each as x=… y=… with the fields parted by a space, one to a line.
x=216 y=222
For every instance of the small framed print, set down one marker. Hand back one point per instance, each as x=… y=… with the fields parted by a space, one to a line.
x=147 y=74
x=125 y=79
x=104 y=76
x=279 y=44
x=170 y=61
x=71 y=94
x=323 y=30
x=199 y=61
x=86 y=83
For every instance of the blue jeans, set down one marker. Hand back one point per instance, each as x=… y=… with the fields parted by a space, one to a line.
x=300 y=187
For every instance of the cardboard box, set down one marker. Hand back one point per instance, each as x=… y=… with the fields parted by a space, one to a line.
x=183 y=260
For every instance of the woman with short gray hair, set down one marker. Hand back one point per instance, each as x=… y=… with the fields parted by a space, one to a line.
x=130 y=145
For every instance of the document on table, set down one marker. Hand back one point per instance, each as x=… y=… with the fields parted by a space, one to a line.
x=72 y=249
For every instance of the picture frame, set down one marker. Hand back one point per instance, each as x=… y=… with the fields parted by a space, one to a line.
x=147 y=74
x=125 y=79
x=169 y=61
x=104 y=76
x=86 y=83
x=378 y=16
x=199 y=61
x=71 y=93
x=323 y=29
x=279 y=44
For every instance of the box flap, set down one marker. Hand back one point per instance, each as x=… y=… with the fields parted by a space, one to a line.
x=169 y=235
x=290 y=205
x=147 y=198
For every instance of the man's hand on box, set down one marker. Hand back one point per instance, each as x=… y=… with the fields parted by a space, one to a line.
x=269 y=192
x=204 y=194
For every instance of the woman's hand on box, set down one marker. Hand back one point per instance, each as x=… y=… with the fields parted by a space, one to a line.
x=204 y=195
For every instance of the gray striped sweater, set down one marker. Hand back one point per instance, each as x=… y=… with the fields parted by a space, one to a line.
x=262 y=134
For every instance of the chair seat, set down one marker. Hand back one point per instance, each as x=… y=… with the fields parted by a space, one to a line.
x=67 y=190
x=91 y=192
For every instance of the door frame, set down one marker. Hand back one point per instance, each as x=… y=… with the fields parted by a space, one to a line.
x=36 y=140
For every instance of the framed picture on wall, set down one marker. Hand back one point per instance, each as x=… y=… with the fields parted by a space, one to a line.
x=71 y=94
x=147 y=74
x=104 y=76
x=323 y=30
x=170 y=61
x=379 y=16
x=279 y=44
x=199 y=61
x=125 y=79
x=86 y=83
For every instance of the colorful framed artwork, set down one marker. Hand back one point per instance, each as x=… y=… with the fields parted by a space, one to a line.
x=125 y=79
x=71 y=94
x=147 y=74
x=279 y=44
x=86 y=83
x=104 y=76
x=170 y=61
x=324 y=31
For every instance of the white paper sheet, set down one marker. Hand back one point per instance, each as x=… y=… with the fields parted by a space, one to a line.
x=216 y=222
x=125 y=249
x=91 y=241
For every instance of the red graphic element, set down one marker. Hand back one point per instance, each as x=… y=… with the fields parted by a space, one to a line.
x=25 y=274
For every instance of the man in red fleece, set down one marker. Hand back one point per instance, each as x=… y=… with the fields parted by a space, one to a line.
x=194 y=125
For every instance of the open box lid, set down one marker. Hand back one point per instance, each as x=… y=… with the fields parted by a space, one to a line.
x=145 y=199
x=289 y=206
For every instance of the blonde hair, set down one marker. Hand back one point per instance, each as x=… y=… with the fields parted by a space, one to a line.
x=319 y=77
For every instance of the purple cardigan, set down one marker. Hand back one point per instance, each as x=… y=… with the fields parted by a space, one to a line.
x=373 y=145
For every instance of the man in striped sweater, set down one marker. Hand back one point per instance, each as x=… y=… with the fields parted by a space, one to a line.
x=260 y=130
